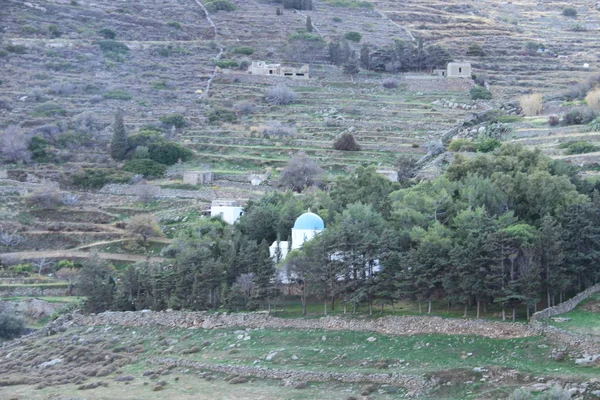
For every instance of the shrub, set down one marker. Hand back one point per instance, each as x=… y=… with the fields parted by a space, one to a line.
x=46 y=198
x=168 y=153
x=117 y=94
x=569 y=12
x=346 y=142
x=221 y=115
x=143 y=138
x=480 y=93
x=481 y=79
x=16 y=48
x=244 y=108
x=390 y=83
x=301 y=173
x=38 y=148
x=11 y=326
x=227 y=64
x=488 y=145
x=276 y=128
x=112 y=46
x=107 y=33
x=593 y=99
x=48 y=109
x=298 y=4
x=532 y=104
x=306 y=36
x=353 y=36
x=145 y=167
x=176 y=120
x=174 y=25
x=475 y=50
x=54 y=31
x=280 y=95
x=461 y=145
x=93 y=178
x=244 y=50
x=59 y=66
x=220 y=5
x=14 y=145
x=579 y=147
x=337 y=19
x=553 y=120
x=579 y=116
x=351 y=4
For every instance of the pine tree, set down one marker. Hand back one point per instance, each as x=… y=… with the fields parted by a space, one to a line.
x=309 y=26
x=118 y=144
x=365 y=57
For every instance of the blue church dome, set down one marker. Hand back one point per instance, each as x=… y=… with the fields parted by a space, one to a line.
x=309 y=221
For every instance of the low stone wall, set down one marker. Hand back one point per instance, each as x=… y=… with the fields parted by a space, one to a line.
x=31 y=291
x=401 y=325
x=584 y=344
x=566 y=306
x=414 y=384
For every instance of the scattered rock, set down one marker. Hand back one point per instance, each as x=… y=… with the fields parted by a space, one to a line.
x=371 y=339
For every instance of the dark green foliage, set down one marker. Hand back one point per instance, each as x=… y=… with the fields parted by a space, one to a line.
x=337 y=19
x=298 y=4
x=351 y=68
x=406 y=56
x=579 y=147
x=461 y=145
x=168 y=153
x=227 y=64
x=311 y=37
x=113 y=47
x=339 y=52
x=174 y=25
x=569 y=12
x=309 y=26
x=488 y=145
x=220 y=115
x=118 y=143
x=346 y=142
x=353 y=36
x=579 y=116
x=170 y=50
x=107 y=33
x=475 y=50
x=97 y=283
x=48 y=109
x=54 y=31
x=11 y=326
x=176 y=120
x=220 y=5
x=38 y=148
x=95 y=178
x=244 y=50
x=16 y=48
x=480 y=93
x=117 y=94
x=147 y=168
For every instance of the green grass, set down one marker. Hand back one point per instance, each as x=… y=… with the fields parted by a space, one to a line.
x=582 y=321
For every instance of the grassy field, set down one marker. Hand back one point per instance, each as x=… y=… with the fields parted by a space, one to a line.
x=583 y=320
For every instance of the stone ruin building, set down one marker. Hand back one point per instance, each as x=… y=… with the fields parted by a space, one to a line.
x=455 y=70
x=262 y=68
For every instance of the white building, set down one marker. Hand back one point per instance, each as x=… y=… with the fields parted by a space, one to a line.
x=229 y=210
x=306 y=227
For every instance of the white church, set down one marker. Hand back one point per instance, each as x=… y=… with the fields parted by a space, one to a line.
x=306 y=227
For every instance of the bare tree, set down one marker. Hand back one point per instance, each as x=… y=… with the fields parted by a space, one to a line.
x=301 y=173
x=143 y=227
x=14 y=145
x=281 y=95
x=42 y=265
x=146 y=193
x=246 y=282
x=46 y=198
x=10 y=239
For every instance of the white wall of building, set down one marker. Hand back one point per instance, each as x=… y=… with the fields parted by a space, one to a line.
x=229 y=214
x=299 y=236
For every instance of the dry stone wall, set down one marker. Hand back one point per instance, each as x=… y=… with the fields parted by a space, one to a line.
x=401 y=325
x=31 y=291
x=566 y=306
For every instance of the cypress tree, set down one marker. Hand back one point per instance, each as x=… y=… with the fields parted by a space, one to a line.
x=118 y=144
x=309 y=26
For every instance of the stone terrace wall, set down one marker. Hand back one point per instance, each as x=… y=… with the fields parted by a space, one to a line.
x=402 y=325
x=31 y=291
x=566 y=306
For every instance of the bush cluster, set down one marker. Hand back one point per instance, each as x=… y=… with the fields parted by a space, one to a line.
x=579 y=116
x=480 y=93
x=95 y=178
x=578 y=147
x=220 y=5
x=146 y=167
x=346 y=142
x=11 y=326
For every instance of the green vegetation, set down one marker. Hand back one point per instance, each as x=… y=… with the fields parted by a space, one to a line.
x=350 y=3
x=462 y=145
x=569 y=12
x=168 y=153
x=580 y=147
x=584 y=319
x=480 y=93
x=54 y=31
x=176 y=120
x=95 y=178
x=220 y=115
x=353 y=36
x=11 y=326
x=147 y=168
x=311 y=37
x=16 y=48
x=118 y=143
x=107 y=33
x=113 y=47
x=118 y=94
x=48 y=109
x=244 y=50
x=174 y=25
x=226 y=64
x=220 y=5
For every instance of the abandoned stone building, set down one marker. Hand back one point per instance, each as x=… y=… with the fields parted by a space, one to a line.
x=197 y=177
x=455 y=70
x=262 y=68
